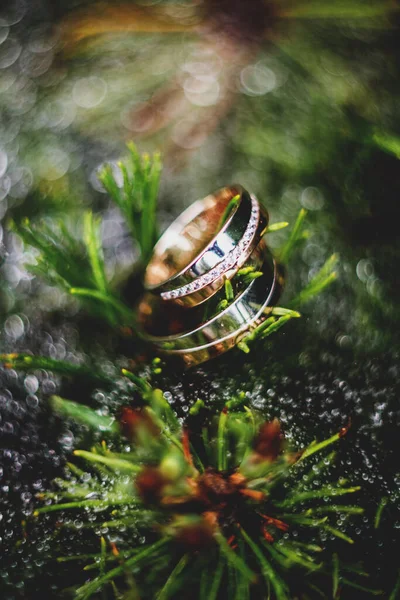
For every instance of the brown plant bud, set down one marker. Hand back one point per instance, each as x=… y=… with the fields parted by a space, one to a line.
x=343 y=431
x=268 y=443
x=237 y=479
x=196 y=535
x=214 y=488
x=133 y=420
x=150 y=483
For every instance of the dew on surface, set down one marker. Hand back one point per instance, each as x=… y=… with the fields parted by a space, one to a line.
x=14 y=327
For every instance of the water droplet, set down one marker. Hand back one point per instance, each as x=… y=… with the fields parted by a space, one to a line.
x=12 y=12
x=10 y=50
x=32 y=401
x=43 y=38
x=312 y=198
x=202 y=90
x=14 y=327
x=31 y=384
x=364 y=269
x=5 y=185
x=4 y=31
x=67 y=440
x=257 y=80
x=53 y=163
x=89 y=92
x=8 y=427
x=35 y=64
x=3 y=162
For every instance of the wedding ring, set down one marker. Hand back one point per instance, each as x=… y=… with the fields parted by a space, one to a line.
x=193 y=336
x=206 y=245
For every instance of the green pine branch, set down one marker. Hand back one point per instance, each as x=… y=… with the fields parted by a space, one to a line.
x=279 y=317
x=75 y=262
x=156 y=459
x=137 y=197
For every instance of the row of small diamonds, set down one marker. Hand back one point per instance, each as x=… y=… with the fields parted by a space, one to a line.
x=225 y=265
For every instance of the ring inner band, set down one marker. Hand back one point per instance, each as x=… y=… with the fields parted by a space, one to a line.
x=190 y=235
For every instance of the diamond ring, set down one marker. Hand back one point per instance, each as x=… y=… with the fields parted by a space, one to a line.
x=207 y=244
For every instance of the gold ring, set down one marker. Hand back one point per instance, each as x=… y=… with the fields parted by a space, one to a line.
x=207 y=244
x=186 y=311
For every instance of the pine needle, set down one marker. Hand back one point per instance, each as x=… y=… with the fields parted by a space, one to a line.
x=169 y=588
x=117 y=464
x=221 y=440
x=83 y=414
x=137 y=198
x=29 y=362
x=294 y=238
x=84 y=592
x=379 y=512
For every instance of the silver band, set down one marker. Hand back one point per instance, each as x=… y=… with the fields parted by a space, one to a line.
x=202 y=248
x=196 y=343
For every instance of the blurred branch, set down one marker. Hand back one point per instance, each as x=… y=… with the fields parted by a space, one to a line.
x=125 y=17
x=325 y=276
x=387 y=142
x=340 y=9
x=83 y=414
x=29 y=362
x=122 y=17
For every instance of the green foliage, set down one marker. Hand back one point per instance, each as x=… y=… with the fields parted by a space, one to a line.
x=71 y=257
x=379 y=512
x=280 y=316
x=29 y=362
x=325 y=276
x=168 y=489
x=315 y=9
x=388 y=143
x=294 y=239
x=396 y=590
x=74 y=261
x=137 y=198
x=276 y=226
x=83 y=414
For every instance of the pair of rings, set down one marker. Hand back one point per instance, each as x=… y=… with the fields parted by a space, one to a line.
x=185 y=310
